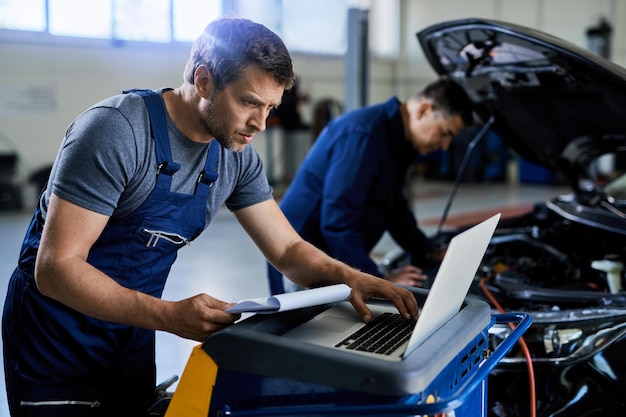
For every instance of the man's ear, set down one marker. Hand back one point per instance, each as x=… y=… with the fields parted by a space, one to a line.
x=203 y=81
x=424 y=107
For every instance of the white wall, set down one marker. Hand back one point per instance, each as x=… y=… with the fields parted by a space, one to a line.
x=78 y=75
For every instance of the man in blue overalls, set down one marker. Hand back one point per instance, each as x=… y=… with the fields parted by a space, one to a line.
x=139 y=176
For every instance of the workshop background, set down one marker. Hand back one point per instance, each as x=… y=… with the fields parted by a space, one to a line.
x=47 y=79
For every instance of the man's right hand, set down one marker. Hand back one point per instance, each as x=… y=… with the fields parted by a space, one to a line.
x=198 y=317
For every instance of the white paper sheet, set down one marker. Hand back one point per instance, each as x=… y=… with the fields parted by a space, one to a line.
x=293 y=300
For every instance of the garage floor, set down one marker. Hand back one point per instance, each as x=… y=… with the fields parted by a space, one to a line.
x=225 y=263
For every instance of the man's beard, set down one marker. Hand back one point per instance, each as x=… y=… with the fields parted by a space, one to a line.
x=228 y=143
x=217 y=129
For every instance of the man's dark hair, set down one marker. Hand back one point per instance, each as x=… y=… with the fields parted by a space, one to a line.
x=229 y=45
x=449 y=98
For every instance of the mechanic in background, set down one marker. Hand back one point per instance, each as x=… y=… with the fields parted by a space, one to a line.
x=350 y=188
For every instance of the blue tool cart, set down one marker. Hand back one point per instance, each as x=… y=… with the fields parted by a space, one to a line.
x=248 y=369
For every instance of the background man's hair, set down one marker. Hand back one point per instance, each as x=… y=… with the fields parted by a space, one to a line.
x=449 y=98
x=229 y=45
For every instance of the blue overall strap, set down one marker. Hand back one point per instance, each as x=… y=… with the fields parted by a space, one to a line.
x=209 y=175
x=158 y=126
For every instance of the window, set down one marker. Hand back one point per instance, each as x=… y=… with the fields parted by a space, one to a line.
x=89 y=19
x=302 y=33
x=23 y=15
x=307 y=26
x=384 y=23
x=142 y=20
x=191 y=16
x=265 y=12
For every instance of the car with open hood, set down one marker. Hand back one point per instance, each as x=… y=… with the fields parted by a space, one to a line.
x=561 y=107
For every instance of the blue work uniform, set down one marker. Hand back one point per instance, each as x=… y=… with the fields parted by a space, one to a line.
x=79 y=365
x=350 y=189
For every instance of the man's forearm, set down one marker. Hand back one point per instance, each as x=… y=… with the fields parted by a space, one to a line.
x=317 y=268
x=83 y=288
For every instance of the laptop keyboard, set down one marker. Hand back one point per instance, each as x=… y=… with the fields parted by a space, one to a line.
x=382 y=335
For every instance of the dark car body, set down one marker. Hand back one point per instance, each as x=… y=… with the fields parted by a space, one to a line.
x=563 y=108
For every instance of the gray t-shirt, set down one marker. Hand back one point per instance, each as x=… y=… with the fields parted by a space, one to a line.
x=107 y=163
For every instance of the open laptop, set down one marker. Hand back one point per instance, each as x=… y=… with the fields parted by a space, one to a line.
x=341 y=327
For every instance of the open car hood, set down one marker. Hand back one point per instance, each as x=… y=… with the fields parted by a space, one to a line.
x=555 y=104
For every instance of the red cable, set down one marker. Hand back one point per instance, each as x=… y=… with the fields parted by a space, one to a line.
x=522 y=342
